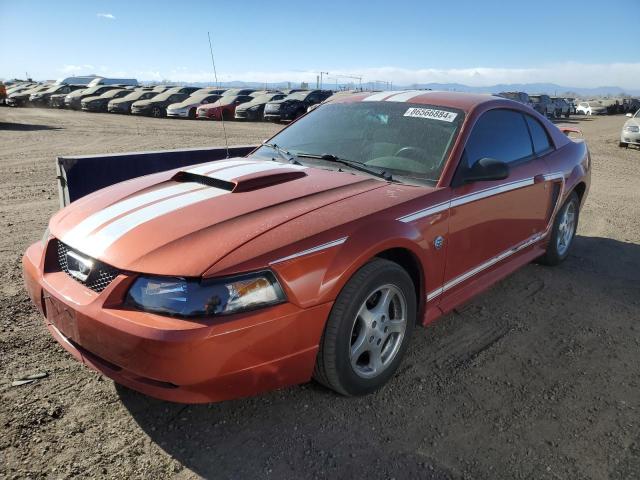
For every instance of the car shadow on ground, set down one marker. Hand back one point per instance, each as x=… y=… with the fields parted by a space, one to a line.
x=574 y=119
x=25 y=127
x=308 y=431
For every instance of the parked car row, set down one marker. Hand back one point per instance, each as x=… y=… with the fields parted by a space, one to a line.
x=172 y=101
x=552 y=107
x=556 y=107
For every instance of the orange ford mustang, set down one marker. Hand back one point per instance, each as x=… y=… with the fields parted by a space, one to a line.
x=316 y=255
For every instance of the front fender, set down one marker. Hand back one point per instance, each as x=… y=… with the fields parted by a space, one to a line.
x=319 y=277
x=368 y=241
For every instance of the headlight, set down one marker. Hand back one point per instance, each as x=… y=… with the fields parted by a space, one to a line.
x=254 y=108
x=183 y=297
x=632 y=128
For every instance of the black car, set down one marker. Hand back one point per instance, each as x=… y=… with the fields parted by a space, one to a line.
x=254 y=110
x=99 y=103
x=294 y=105
x=74 y=99
x=123 y=104
x=157 y=106
x=41 y=99
x=21 y=97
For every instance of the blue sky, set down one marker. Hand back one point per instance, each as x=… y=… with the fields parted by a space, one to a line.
x=575 y=43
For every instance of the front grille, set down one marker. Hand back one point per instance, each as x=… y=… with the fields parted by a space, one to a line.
x=100 y=277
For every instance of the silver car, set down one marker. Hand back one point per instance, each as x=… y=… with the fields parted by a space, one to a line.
x=631 y=130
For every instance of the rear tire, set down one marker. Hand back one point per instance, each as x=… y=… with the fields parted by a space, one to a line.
x=563 y=232
x=368 y=329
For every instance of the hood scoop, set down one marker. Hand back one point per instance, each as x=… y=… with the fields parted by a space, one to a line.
x=246 y=183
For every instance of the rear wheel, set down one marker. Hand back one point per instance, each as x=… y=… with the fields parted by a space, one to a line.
x=563 y=232
x=368 y=329
x=157 y=112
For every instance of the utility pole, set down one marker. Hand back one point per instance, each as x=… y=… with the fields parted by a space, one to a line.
x=321 y=74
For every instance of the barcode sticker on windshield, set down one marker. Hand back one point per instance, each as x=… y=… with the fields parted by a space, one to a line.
x=431 y=114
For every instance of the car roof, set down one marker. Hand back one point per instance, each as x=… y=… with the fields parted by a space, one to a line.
x=462 y=101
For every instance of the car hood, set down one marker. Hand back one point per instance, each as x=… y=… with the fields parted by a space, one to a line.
x=22 y=94
x=162 y=225
x=245 y=106
x=91 y=99
x=285 y=100
x=185 y=104
x=143 y=103
x=76 y=93
x=123 y=100
x=217 y=104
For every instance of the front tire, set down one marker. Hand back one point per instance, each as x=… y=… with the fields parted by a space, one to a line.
x=368 y=329
x=623 y=145
x=157 y=112
x=563 y=232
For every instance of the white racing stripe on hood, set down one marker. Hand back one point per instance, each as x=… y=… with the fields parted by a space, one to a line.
x=376 y=97
x=242 y=170
x=405 y=96
x=96 y=244
x=78 y=233
x=217 y=165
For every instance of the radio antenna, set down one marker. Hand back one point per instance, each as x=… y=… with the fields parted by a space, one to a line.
x=215 y=75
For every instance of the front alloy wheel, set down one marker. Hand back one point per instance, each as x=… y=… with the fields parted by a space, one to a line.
x=378 y=331
x=156 y=112
x=368 y=329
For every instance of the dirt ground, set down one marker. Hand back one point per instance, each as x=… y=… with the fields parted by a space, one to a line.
x=537 y=378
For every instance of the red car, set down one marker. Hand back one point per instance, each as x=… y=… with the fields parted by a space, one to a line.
x=223 y=109
x=315 y=256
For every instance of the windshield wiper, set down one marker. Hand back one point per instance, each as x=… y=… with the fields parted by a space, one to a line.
x=349 y=163
x=288 y=156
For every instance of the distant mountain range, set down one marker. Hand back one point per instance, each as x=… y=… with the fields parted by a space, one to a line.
x=548 y=88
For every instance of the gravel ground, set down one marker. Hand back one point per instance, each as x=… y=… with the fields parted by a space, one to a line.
x=537 y=378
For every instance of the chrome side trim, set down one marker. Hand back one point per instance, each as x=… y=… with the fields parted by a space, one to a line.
x=489 y=192
x=554 y=176
x=483 y=266
x=425 y=213
x=318 y=248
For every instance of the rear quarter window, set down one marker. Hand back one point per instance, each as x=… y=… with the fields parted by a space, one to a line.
x=539 y=136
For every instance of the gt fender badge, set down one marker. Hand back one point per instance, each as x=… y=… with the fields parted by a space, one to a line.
x=438 y=242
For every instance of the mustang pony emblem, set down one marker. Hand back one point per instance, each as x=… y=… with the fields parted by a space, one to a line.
x=79 y=267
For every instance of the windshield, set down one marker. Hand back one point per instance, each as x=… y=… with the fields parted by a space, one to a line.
x=298 y=96
x=111 y=93
x=164 y=96
x=406 y=140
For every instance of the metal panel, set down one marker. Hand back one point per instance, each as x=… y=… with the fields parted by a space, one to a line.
x=78 y=176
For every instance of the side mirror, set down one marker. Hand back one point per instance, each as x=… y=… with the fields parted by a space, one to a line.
x=629 y=115
x=487 y=169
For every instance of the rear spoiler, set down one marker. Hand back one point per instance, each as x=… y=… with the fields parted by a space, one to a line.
x=567 y=130
x=81 y=175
